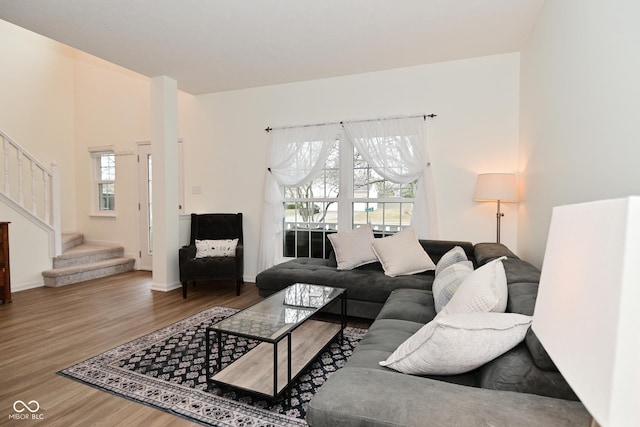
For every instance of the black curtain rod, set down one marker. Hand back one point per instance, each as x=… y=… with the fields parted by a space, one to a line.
x=424 y=116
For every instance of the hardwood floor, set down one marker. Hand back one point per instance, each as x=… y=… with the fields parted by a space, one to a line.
x=45 y=330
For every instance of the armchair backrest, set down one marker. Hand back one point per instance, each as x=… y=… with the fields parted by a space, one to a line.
x=216 y=226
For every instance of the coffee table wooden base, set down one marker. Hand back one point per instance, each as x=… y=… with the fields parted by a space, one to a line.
x=254 y=371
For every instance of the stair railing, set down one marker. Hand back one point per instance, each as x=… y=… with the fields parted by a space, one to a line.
x=40 y=203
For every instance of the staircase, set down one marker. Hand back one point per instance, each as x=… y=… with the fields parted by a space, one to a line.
x=82 y=261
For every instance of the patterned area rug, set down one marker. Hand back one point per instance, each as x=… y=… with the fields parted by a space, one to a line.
x=166 y=370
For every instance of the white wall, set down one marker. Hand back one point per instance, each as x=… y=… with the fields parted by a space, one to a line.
x=29 y=252
x=112 y=108
x=37 y=111
x=580 y=99
x=36 y=106
x=476 y=131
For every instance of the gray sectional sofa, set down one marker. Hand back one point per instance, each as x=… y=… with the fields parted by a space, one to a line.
x=367 y=286
x=519 y=388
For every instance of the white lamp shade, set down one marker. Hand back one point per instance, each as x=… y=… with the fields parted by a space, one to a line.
x=587 y=313
x=496 y=186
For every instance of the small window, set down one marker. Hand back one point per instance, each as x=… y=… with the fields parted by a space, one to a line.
x=104 y=169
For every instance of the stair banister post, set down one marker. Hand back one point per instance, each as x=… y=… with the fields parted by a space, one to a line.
x=7 y=184
x=20 y=180
x=55 y=204
x=34 y=191
x=47 y=196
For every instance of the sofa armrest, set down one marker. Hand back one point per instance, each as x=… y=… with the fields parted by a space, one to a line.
x=485 y=252
x=369 y=397
x=186 y=253
x=437 y=248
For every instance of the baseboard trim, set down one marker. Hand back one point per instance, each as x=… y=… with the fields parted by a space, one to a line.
x=163 y=287
x=17 y=287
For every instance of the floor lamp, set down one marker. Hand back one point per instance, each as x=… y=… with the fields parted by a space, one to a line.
x=496 y=187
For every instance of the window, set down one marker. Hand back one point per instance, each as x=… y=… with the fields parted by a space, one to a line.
x=318 y=184
x=385 y=205
x=311 y=211
x=104 y=178
x=347 y=193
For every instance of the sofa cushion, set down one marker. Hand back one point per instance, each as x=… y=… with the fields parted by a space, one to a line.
x=373 y=398
x=484 y=290
x=414 y=305
x=352 y=248
x=458 y=343
x=447 y=282
x=522 y=299
x=455 y=255
x=382 y=338
x=518 y=270
x=515 y=371
x=401 y=254
x=540 y=356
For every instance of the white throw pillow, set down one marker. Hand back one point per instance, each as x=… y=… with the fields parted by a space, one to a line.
x=353 y=247
x=402 y=254
x=484 y=290
x=449 y=279
x=458 y=343
x=216 y=248
x=457 y=254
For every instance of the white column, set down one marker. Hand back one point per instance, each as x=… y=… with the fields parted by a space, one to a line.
x=164 y=152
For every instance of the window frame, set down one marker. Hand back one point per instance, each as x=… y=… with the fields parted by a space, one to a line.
x=96 y=155
x=345 y=204
x=379 y=229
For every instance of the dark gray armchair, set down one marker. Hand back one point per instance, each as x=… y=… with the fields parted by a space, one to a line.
x=216 y=226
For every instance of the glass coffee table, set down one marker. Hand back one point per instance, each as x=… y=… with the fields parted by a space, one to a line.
x=289 y=338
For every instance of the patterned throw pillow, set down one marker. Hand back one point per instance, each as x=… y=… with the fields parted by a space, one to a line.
x=216 y=248
x=457 y=254
x=446 y=283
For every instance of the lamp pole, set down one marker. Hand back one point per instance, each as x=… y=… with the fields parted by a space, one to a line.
x=498 y=216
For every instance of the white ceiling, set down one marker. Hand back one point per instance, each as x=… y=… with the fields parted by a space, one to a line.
x=217 y=45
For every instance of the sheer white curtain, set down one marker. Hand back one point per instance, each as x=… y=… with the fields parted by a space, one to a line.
x=295 y=156
x=396 y=149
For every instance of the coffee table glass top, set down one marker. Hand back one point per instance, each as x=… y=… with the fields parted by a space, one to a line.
x=280 y=313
